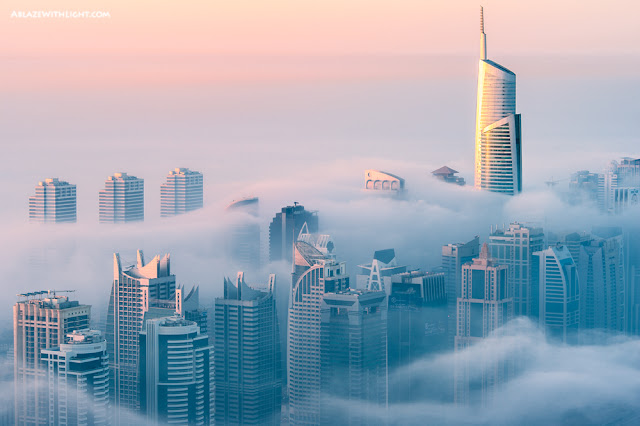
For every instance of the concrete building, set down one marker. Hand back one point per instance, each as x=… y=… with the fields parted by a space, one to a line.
x=285 y=226
x=378 y=274
x=453 y=257
x=248 y=365
x=447 y=174
x=243 y=237
x=514 y=247
x=78 y=376
x=54 y=202
x=376 y=180
x=175 y=372
x=555 y=281
x=40 y=321
x=315 y=272
x=181 y=193
x=498 y=164
x=484 y=306
x=619 y=186
x=353 y=354
x=122 y=199
x=140 y=292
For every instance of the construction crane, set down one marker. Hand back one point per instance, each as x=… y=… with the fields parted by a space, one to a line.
x=44 y=292
x=553 y=182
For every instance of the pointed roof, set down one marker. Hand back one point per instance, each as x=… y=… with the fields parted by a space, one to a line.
x=444 y=170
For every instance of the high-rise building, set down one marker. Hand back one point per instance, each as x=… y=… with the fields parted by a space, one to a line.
x=189 y=307
x=315 y=272
x=122 y=199
x=40 y=321
x=353 y=354
x=498 y=153
x=514 y=247
x=247 y=366
x=619 y=186
x=447 y=174
x=243 y=238
x=484 y=306
x=453 y=257
x=285 y=227
x=139 y=292
x=378 y=274
x=376 y=180
x=181 y=193
x=54 y=202
x=78 y=380
x=602 y=284
x=555 y=281
x=175 y=372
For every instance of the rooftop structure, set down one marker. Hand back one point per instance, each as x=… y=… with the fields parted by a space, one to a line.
x=54 y=202
x=377 y=275
x=377 y=180
x=448 y=175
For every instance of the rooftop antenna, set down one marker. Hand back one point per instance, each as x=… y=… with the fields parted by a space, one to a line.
x=483 y=36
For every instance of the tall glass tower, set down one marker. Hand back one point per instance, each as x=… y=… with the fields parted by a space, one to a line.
x=498 y=134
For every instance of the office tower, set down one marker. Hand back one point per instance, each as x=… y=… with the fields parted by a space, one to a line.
x=514 y=247
x=376 y=180
x=175 y=372
x=122 y=199
x=619 y=186
x=353 y=354
x=584 y=186
x=243 y=237
x=54 y=202
x=453 y=257
x=40 y=321
x=447 y=174
x=140 y=291
x=248 y=366
x=555 y=281
x=417 y=324
x=498 y=130
x=189 y=307
x=631 y=238
x=78 y=376
x=484 y=306
x=315 y=272
x=574 y=243
x=602 y=286
x=181 y=193
x=285 y=227
x=378 y=274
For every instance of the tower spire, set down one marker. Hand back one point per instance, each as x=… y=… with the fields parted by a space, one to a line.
x=483 y=36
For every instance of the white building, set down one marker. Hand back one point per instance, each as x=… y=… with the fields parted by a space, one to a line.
x=181 y=193
x=378 y=274
x=122 y=199
x=376 y=180
x=54 y=202
x=498 y=164
x=78 y=376
x=619 y=186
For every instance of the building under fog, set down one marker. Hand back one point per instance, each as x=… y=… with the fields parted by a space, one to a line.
x=619 y=186
x=248 y=365
x=498 y=164
x=40 y=321
x=447 y=174
x=376 y=180
x=182 y=192
x=285 y=227
x=315 y=272
x=485 y=305
x=514 y=247
x=78 y=380
x=175 y=372
x=555 y=282
x=122 y=199
x=378 y=274
x=353 y=354
x=243 y=235
x=54 y=202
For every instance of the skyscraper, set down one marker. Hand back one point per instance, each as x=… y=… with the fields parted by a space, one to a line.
x=619 y=186
x=285 y=227
x=181 y=193
x=248 y=366
x=54 y=202
x=514 y=247
x=122 y=199
x=498 y=134
x=175 y=372
x=40 y=321
x=484 y=306
x=378 y=274
x=243 y=238
x=78 y=380
x=555 y=282
x=315 y=272
x=353 y=354
x=139 y=291
x=453 y=257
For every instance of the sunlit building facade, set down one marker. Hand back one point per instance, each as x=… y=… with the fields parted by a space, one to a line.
x=498 y=163
x=122 y=199
x=54 y=202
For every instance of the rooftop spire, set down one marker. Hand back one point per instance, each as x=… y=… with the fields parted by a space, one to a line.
x=483 y=37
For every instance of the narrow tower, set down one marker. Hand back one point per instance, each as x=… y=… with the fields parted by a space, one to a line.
x=498 y=135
